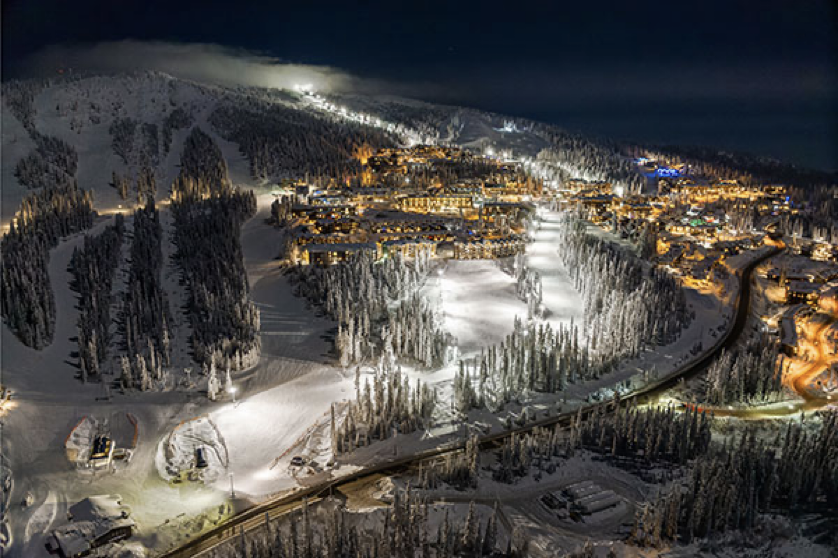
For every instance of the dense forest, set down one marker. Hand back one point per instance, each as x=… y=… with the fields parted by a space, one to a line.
x=630 y=306
x=52 y=163
x=281 y=142
x=377 y=310
x=731 y=486
x=44 y=218
x=533 y=358
x=752 y=374
x=819 y=221
x=145 y=317
x=225 y=323
x=387 y=407
x=93 y=268
x=410 y=527
x=208 y=214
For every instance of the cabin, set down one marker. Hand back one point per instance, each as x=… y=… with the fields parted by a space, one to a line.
x=802 y=292
x=93 y=523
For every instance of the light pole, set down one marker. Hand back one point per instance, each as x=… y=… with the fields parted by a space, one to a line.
x=232 y=391
x=232 y=488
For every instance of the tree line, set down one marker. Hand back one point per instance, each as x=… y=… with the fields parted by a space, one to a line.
x=225 y=322
x=533 y=358
x=752 y=374
x=411 y=527
x=44 y=218
x=52 y=163
x=630 y=306
x=382 y=409
x=730 y=487
x=280 y=142
x=208 y=214
x=376 y=307
x=145 y=318
x=93 y=268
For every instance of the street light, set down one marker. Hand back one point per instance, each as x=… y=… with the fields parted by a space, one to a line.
x=232 y=391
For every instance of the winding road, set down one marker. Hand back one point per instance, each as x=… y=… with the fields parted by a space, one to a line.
x=273 y=508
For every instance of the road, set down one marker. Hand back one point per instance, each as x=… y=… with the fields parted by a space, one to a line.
x=801 y=380
x=270 y=509
x=798 y=379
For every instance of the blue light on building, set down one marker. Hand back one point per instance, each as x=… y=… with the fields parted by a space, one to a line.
x=664 y=172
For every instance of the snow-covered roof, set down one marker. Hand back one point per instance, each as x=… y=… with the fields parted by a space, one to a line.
x=803 y=287
x=92 y=518
x=103 y=506
x=340 y=247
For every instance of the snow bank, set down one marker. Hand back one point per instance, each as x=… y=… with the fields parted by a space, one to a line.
x=179 y=451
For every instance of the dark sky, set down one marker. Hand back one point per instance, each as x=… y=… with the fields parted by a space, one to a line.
x=750 y=75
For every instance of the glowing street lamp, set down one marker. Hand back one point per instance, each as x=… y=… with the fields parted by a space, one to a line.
x=231 y=389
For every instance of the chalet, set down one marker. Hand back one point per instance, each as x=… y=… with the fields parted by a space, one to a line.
x=785 y=276
x=828 y=299
x=407 y=247
x=94 y=522
x=804 y=292
x=315 y=212
x=824 y=252
x=701 y=270
x=673 y=255
x=436 y=203
x=514 y=210
x=728 y=247
x=488 y=248
x=342 y=225
x=329 y=254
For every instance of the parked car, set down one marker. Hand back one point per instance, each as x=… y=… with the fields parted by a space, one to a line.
x=298 y=461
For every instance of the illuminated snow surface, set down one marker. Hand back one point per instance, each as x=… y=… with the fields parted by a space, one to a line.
x=283 y=402
x=479 y=302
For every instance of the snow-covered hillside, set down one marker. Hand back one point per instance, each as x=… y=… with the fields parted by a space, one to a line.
x=123 y=124
x=232 y=358
x=116 y=125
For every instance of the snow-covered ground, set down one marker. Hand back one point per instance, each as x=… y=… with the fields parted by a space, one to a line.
x=282 y=408
x=262 y=429
x=289 y=327
x=81 y=113
x=479 y=301
x=48 y=402
x=283 y=403
x=16 y=145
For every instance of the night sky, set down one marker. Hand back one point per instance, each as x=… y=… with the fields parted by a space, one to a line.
x=750 y=75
